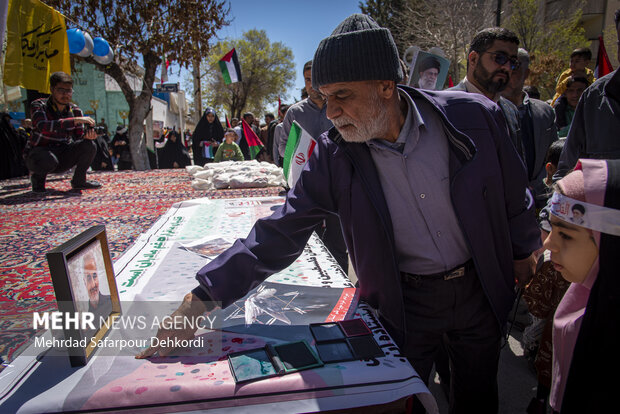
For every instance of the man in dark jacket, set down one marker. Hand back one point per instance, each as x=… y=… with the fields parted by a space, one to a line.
x=492 y=58
x=537 y=126
x=432 y=199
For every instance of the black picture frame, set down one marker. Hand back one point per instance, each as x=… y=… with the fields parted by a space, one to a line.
x=61 y=260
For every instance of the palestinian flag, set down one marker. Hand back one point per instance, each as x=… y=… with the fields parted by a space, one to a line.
x=254 y=142
x=227 y=121
x=208 y=151
x=299 y=147
x=229 y=65
x=603 y=65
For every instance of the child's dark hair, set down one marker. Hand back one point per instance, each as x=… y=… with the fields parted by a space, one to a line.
x=583 y=52
x=573 y=79
x=554 y=151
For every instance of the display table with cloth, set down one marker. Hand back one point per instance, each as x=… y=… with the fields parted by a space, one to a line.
x=160 y=268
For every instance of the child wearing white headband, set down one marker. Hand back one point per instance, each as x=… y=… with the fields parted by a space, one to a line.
x=585 y=248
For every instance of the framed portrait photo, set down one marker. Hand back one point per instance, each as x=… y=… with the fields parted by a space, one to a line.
x=85 y=287
x=428 y=71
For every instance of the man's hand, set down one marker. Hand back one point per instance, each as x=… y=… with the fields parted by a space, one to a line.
x=190 y=308
x=84 y=120
x=90 y=134
x=524 y=270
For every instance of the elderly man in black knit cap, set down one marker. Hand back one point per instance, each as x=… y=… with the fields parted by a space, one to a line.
x=432 y=200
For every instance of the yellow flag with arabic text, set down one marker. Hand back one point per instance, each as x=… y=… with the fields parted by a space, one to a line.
x=36 y=45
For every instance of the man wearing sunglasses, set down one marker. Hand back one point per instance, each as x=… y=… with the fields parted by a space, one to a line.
x=59 y=140
x=491 y=60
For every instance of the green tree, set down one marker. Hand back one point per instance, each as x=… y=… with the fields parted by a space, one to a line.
x=447 y=24
x=140 y=33
x=267 y=70
x=386 y=13
x=549 y=43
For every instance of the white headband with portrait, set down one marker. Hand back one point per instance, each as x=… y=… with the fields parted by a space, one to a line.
x=593 y=217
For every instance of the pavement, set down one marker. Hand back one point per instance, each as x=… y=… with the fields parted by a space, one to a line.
x=516 y=381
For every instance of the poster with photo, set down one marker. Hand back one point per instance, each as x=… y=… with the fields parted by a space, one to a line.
x=428 y=71
x=88 y=279
x=209 y=247
x=87 y=276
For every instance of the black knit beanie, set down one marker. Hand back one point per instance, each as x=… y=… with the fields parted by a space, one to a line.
x=357 y=50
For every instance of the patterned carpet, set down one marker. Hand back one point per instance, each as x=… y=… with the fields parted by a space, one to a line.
x=32 y=224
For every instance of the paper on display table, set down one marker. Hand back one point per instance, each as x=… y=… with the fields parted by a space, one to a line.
x=161 y=267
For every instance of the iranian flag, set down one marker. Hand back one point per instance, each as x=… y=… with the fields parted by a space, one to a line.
x=229 y=65
x=299 y=147
x=254 y=142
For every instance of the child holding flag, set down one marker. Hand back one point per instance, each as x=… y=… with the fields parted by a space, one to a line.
x=229 y=151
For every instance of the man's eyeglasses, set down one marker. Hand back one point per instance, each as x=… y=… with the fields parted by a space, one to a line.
x=501 y=59
x=64 y=91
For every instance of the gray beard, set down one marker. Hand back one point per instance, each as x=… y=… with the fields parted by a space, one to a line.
x=372 y=127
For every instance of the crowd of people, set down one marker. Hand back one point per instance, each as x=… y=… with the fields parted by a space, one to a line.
x=447 y=204
x=466 y=171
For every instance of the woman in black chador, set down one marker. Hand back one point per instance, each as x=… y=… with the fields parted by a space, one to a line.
x=174 y=154
x=208 y=133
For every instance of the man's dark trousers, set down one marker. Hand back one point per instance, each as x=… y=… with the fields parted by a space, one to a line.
x=455 y=311
x=59 y=158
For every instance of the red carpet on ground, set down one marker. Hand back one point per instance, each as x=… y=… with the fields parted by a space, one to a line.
x=128 y=204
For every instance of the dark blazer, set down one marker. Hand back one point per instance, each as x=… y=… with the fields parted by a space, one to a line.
x=545 y=133
x=511 y=115
x=487 y=185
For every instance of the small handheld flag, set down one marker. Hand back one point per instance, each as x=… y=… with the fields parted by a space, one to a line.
x=299 y=147
x=603 y=65
x=208 y=151
x=229 y=65
x=254 y=142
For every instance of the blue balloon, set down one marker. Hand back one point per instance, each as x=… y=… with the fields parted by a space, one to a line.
x=101 y=47
x=76 y=40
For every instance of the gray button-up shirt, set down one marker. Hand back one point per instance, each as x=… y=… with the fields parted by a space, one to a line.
x=415 y=179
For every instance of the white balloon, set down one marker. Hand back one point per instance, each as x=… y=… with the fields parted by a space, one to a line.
x=88 y=46
x=104 y=60
x=437 y=51
x=410 y=54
